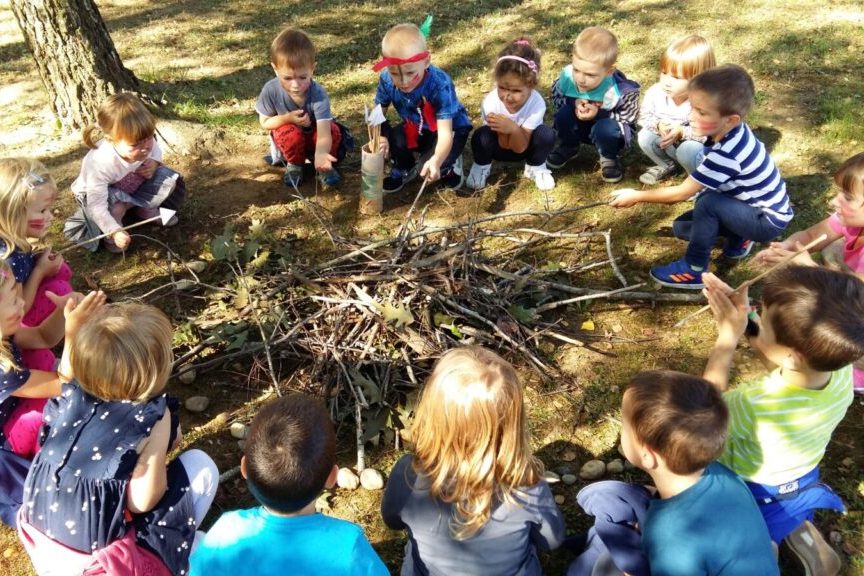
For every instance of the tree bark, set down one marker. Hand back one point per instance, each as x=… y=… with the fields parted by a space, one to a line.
x=75 y=55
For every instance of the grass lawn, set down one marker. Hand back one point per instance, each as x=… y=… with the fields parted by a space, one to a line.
x=208 y=59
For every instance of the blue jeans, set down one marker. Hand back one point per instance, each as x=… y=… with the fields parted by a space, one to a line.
x=716 y=215
x=605 y=133
x=687 y=153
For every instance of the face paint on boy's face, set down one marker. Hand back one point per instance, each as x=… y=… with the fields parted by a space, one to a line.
x=406 y=77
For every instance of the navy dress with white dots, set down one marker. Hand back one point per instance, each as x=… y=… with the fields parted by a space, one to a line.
x=77 y=487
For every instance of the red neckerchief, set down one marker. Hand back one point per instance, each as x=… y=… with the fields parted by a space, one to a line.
x=390 y=61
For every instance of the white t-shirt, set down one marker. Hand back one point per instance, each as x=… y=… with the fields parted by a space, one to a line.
x=528 y=117
x=100 y=168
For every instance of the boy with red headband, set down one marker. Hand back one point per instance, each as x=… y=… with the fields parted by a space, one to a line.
x=743 y=195
x=435 y=125
x=296 y=111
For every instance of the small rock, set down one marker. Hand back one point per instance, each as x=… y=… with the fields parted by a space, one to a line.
x=346 y=478
x=197 y=403
x=629 y=465
x=615 y=467
x=835 y=537
x=551 y=477
x=560 y=499
x=568 y=479
x=848 y=462
x=371 y=479
x=197 y=266
x=185 y=284
x=238 y=430
x=564 y=469
x=187 y=377
x=568 y=456
x=592 y=470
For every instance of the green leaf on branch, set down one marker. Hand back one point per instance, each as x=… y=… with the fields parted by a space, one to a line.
x=223 y=247
x=522 y=314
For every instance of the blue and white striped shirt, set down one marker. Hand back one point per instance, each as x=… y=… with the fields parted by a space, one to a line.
x=739 y=166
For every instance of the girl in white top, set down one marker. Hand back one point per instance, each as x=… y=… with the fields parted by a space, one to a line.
x=122 y=170
x=513 y=128
x=666 y=137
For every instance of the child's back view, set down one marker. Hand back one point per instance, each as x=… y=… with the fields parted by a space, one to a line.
x=703 y=520
x=290 y=459
x=472 y=497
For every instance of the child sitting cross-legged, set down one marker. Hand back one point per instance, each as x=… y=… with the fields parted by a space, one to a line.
x=702 y=520
x=743 y=196
x=810 y=332
x=472 y=496
x=290 y=459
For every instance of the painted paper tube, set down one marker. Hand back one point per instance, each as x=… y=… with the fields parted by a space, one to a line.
x=371 y=181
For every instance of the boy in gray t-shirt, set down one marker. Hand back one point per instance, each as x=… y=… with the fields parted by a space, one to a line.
x=296 y=111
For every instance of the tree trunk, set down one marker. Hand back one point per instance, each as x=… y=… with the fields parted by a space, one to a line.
x=75 y=56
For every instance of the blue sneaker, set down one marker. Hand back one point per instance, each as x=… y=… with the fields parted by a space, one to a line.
x=293 y=176
x=398 y=178
x=268 y=159
x=739 y=251
x=330 y=178
x=678 y=274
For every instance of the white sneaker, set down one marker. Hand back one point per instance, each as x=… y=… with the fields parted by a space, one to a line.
x=541 y=175
x=478 y=175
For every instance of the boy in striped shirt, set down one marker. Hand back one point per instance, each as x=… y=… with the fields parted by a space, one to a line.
x=779 y=427
x=743 y=196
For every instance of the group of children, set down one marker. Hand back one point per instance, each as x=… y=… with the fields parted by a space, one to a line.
x=84 y=471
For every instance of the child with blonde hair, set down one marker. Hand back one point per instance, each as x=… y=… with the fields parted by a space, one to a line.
x=123 y=170
x=27 y=195
x=596 y=104
x=22 y=391
x=666 y=136
x=434 y=125
x=513 y=113
x=472 y=496
x=101 y=489
x=843 y=248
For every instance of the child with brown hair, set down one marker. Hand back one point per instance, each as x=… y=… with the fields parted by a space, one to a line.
x=472 y=496
x=513 y=113
x=596 y=104
x=101 y=489
x=673 y=426
x=123 y=170
x=295 y=110
x=434 y=125
x=666 y=136
x=809 y=334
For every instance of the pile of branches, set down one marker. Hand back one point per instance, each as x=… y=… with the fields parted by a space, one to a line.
x=363 y=328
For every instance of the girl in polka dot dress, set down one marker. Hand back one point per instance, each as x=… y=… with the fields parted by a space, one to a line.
x=102 y=476
x=27 y=194
x=18 y=384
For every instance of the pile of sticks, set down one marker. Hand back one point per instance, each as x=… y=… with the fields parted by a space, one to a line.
x=363 y=328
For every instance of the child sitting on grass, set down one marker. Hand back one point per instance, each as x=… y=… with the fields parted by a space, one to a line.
x=703 y=519
x=472 y=496
x=810 y=332
x=666 y=136
x=290 y=459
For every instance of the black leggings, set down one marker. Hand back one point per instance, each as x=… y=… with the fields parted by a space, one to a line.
x=403 y=157
x=485 y=147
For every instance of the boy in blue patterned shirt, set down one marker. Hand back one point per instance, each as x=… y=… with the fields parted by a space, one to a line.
x=743 y=195
x=435 y=125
